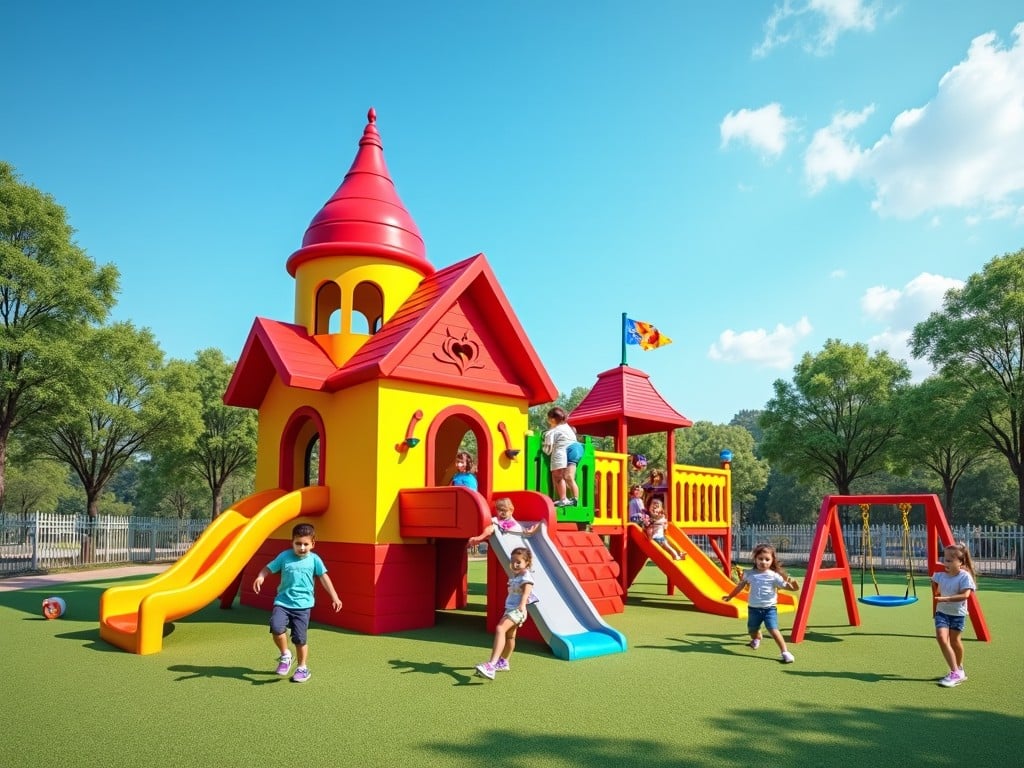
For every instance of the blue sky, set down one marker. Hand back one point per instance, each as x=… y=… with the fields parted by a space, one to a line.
x=754 y=178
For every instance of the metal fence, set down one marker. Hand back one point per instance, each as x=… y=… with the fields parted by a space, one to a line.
x=48 y=541
x=995 y=550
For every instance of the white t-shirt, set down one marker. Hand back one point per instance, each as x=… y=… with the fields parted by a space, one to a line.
x=953 y=585
x=764 y=587
x=515 y=591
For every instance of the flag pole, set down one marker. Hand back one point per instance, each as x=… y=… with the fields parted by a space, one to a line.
x=623 y=329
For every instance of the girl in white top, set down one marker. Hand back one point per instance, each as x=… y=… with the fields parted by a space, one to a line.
x=765 y=580
x=656 y=529
x=952 y=589
x=520 y=594
x=563 y=474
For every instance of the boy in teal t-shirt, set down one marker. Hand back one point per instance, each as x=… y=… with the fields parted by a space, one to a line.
x=297 y=566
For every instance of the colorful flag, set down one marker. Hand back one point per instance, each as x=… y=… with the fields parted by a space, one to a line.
x=644 y=334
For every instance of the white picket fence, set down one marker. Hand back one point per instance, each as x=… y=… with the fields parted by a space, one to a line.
x=48 y=541
x=995 y=550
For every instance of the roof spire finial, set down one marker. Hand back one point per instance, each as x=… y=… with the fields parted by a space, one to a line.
x=371 y=115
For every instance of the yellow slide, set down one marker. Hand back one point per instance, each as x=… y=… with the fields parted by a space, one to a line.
x=698 y=576
x=132 y=617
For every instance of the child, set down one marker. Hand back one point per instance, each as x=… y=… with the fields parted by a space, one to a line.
x=520 y=594
x=765 y=579
x=952 y=588
x=563 y=474
x=637 y=511
x=464 y=470
x=656 y=529
x=294 y=600
x=503 y=522
x=654 y=488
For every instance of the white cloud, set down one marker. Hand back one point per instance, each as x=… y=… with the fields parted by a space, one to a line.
x=764 y=129
x=771 y=349
x=837 y=274
x=816 y=24
x=832 y=153
x=900 y=310
x=964 y=149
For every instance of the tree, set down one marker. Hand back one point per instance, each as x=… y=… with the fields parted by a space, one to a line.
x=938 y=429
x=36 y=486
x=977 y=339
x=701 y=444
x=226 y=445
x=133 y=402
x=167 y=489
x=836 y=418
x=49 y=290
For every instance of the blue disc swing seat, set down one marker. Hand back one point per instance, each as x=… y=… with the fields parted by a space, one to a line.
x=879 y=600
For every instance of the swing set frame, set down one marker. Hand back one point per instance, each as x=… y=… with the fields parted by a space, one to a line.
x=828 y=536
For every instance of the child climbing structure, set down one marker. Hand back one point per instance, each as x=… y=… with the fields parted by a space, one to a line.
x=364 y=398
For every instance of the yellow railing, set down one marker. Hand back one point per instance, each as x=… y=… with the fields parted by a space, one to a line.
x=611 y=488
x=698 y=497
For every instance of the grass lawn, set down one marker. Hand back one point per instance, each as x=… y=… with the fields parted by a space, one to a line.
x=686 y=693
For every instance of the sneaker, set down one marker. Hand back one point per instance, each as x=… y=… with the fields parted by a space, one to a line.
x=951 y=680
x=787 y=657
x=562 y=503
x=501 y=665
x=486 y=670
x=302 y=674
x=573 y=502
x=284 y=664
x=963 y=674
x=755 y=643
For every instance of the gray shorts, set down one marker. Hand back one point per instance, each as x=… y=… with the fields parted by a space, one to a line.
x=297 y=619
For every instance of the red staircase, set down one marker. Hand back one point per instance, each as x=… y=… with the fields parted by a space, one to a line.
x=593 y=566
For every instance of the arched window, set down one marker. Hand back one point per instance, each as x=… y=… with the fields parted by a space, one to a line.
x=328 y=309
x=367 y=308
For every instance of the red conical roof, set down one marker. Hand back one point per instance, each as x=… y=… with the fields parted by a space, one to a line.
x=365 y=216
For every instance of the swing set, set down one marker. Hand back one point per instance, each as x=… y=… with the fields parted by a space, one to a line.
x=828 y=537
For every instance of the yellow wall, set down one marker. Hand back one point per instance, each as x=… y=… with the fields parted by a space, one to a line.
x=361 y=466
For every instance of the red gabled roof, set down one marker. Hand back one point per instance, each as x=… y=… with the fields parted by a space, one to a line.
x=384 y=355
x=275 y=348
x=625 y=395
x=365 y=216
x=286 y=350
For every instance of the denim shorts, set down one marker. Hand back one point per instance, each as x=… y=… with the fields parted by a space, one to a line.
x=282 y=618
x=768 y=616
x=952 y=623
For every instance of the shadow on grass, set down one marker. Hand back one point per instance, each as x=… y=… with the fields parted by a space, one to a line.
x=437 y=668
x=863 y=677
x=714 y=644
x=843 y=737
x=246 y=674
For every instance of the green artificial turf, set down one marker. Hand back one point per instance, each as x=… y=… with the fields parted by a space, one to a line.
x=686 y=693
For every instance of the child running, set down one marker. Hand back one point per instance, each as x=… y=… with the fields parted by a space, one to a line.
x=520 y=594
x=294 y=600
x=952 y=589
x=764 y=580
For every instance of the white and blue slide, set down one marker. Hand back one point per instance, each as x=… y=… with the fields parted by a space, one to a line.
x=563 y=613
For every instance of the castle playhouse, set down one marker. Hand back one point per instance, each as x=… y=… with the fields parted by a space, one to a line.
x=389 y=363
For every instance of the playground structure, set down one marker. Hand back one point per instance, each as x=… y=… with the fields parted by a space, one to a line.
x=362 y=403
x=828 y=539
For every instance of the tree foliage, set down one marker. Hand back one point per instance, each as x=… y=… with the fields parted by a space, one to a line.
x=939 y=432
x=131 y=402
x=701 y=445
x=977 y=339
x=834 y=420
x=49 y=292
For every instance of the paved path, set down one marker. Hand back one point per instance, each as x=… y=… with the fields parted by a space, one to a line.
x=96 y=574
